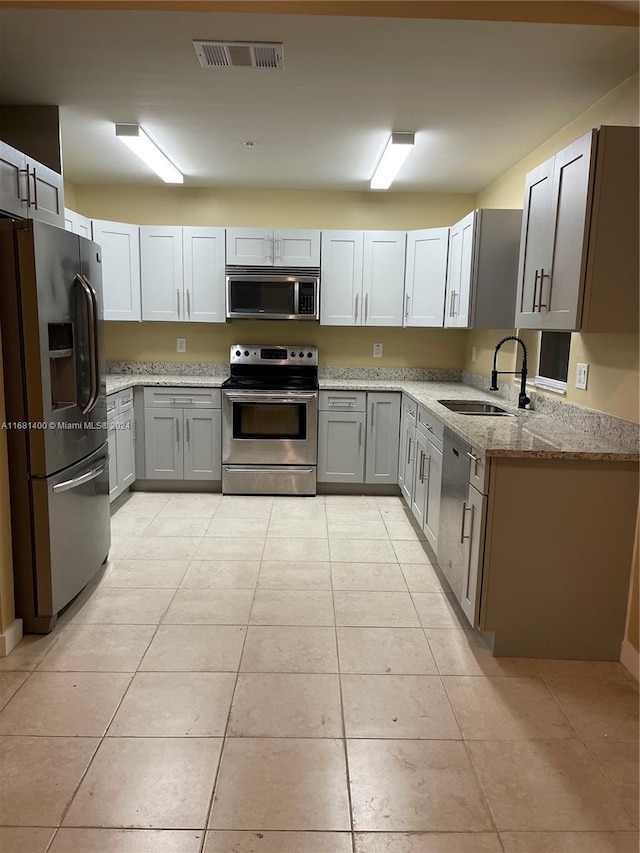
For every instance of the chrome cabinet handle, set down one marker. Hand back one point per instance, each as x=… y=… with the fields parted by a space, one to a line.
x=356 y=308
x=373 y=416
x=178 y=300
x=406 y=305
x=189 y=304
x=421 y=469
x=451 y=300
x=187 y=423
x=543 y=275
x=177 y=431
x=409 y=450
x=366 y=307
x=465 y=508
x=472 y=457
x=26 y=200
x=278 y=249
x=268 y=251
x=35 y=189
x=535 y=291
x=360 y=435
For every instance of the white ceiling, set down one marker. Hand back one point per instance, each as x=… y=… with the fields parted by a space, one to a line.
x=479 y=95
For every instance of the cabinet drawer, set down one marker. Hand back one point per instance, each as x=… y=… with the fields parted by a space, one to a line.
x=429 y=425
x=409 y=410
x=478 y=471
x=126 y=400
x=349 y=401
x=182 y=398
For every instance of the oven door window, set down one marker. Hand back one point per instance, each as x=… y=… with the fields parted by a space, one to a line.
x=264 y=297
x=269 y=421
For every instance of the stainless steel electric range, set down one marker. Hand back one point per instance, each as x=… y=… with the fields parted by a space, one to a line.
x=270 y=421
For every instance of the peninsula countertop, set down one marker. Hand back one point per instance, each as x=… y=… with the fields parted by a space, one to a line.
x=525 y=434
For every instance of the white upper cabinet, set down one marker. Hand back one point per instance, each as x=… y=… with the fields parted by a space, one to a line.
x=425 y=277
x=341 y=278
x=120 y=244
x=251 y=247
x=77 y=224
x=383 y=278
x=161 y=272
x=482 y=270
x=579 y=250
x=203 y=262
x=362 y=278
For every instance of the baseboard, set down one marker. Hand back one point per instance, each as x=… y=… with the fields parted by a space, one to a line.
x=10 y=638
x=630 y=659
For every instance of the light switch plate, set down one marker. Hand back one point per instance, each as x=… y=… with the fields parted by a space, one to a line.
x=377 y=350
x=181 y=344
x=582 y=375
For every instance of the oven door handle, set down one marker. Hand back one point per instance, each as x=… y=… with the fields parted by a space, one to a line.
x=250 y=397
x=263 y=469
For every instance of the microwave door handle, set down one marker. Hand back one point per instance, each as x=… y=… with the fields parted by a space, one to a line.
x=296 y=297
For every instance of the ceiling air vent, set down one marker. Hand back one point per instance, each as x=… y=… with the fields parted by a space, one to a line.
x=239 y=54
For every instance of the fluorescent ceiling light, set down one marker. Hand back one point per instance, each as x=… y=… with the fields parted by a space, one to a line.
x=137 y=140
x=398 y=147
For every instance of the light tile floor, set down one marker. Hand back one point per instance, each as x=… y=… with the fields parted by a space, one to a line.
x=281 y=675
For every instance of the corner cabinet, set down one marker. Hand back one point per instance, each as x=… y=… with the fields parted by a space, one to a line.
x=425 y=277
x=362 y=278
x=78 y=224
x=482 y=270
x=358 y=437
x=273 y=248
x=578 y=267
x=120 y=244
x=182 y=272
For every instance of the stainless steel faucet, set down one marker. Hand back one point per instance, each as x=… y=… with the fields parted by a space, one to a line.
x=523 y=400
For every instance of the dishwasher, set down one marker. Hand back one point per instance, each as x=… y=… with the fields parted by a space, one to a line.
x=456 y=469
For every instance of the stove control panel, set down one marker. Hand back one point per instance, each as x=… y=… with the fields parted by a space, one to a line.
x=271 y=355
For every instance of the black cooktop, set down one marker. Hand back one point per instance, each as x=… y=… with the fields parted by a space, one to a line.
x=270 y=378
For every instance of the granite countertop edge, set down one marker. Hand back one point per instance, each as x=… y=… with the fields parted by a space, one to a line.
x=526 y=435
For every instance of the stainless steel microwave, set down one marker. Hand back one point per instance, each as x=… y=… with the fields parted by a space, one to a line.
x=281 y=295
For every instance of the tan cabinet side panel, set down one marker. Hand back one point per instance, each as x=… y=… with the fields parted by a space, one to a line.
x=558 y=556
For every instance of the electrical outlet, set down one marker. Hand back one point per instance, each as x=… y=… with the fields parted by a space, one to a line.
x=181 y=344
x=473 y=353
x=582 y=374
x=377 y=350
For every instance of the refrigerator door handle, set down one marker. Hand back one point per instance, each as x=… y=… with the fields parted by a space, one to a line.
x=79 y=481
x=92 y=310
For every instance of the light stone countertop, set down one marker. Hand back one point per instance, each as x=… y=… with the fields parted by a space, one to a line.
x=527 y=434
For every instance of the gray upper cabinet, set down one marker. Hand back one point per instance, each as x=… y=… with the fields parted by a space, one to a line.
x=580 y=235
x=482 y=269
x=425 y=277
x=383 y=433
x=29 y=189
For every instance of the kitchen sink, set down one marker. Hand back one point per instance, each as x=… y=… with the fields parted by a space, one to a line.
x=474 y=407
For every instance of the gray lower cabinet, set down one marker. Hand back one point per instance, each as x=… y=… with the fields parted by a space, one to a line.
x=473 y=528
x=121 y=442
x=407 y=455
x=420 y=485
x=182 y=434
x=383 y=435
x=341 y=447
x=433 y=467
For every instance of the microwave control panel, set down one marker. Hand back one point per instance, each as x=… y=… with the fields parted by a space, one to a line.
x=306 y=299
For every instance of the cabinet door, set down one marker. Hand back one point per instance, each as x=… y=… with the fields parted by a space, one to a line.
x=407 y=462
x=78 y=224
x=120 y=244
x=459 y=272
x=341 y=278
x=161 y=272
x=433 y=467
x=13 y=180
x=560 y=300
x=383 y=435
x=203 y=256
x=202 y=444
x=46 y=194
x=163 y=443
x=425 y=277
x=250 y=247
x=473 y=535
x=383 y=278
x=341 y=447
x=113 y=458
x=535 y=243
x=125 y=450
x=296 y=248
x=419 y=496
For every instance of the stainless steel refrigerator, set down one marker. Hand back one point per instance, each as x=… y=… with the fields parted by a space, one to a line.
x=51 y=330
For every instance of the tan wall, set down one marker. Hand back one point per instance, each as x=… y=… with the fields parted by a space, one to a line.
x=6 y=565
x=276 y=208
x=614 y=380
x=338 y=346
